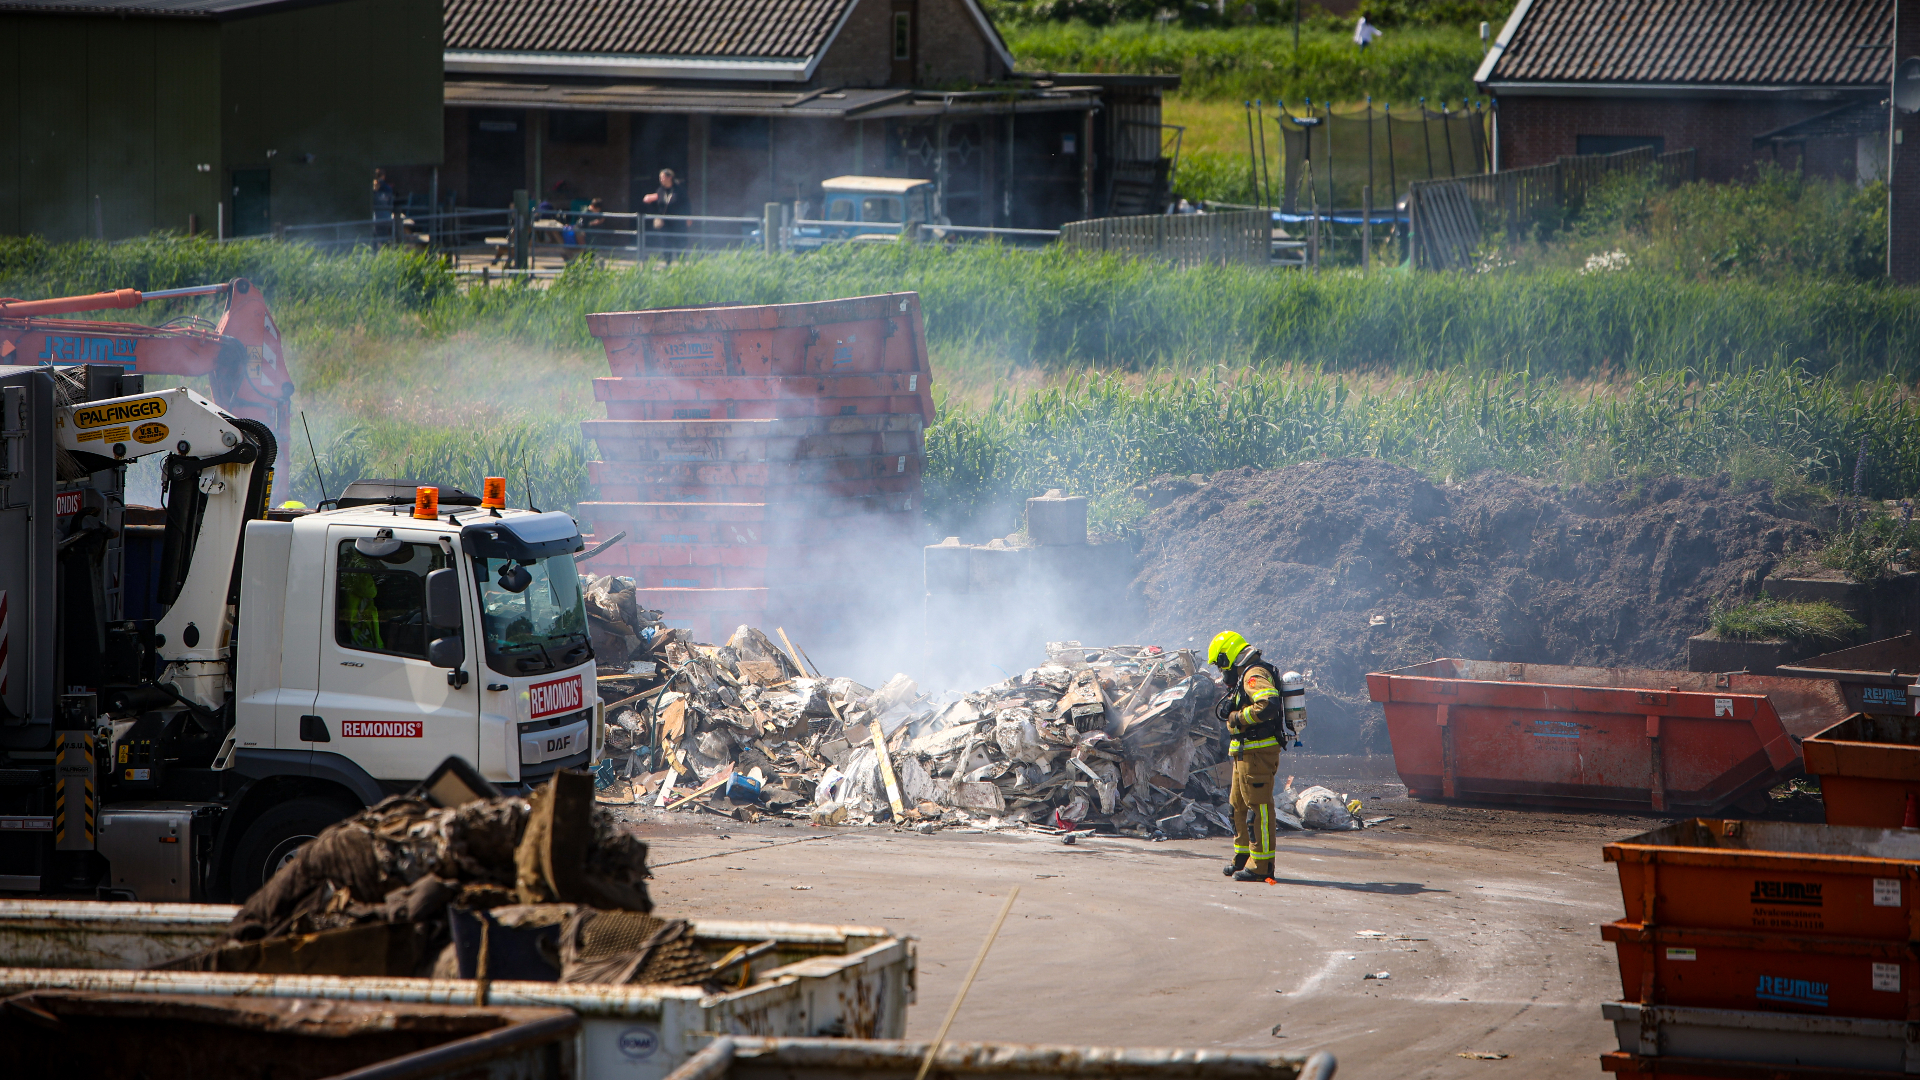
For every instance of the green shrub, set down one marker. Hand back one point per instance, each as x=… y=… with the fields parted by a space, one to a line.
x=1775 y=226
x=1868 y=542
x=1768 y=619
x=1012 y=15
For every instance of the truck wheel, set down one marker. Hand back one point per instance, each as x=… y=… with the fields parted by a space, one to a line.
x=274 y=836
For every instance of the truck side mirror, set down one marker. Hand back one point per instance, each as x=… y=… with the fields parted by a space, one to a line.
x=443 y=599
x=447 y=652
x=443 y=614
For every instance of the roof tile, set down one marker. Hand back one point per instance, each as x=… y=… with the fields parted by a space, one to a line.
x=1710 y=42
x=761 y=29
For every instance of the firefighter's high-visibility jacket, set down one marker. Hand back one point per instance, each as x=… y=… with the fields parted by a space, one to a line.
x=1253 y=710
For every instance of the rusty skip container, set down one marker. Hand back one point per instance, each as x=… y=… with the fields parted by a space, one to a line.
x=1877 y=678
x=1869 y=767
x=745 y=1058
x=108 y=1036
x=1616 y=738
x=1675 y=1040
x=865 y=355
x=752 y=450
x=1770 y=916
x=821 y=980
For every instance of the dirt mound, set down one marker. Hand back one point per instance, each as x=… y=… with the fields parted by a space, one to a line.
x=1342 y=567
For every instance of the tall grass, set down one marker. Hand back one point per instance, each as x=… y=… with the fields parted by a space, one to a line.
x=1407 y=63
x=1764 y=618
x=1098 y=436
x=373 y=290
x=401 y=372
x=1061 y=311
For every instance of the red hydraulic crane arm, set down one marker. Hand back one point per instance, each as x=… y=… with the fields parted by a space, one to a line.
x=242 y=355
x=100 y=301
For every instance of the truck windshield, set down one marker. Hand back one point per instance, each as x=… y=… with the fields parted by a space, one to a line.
x=539 y=629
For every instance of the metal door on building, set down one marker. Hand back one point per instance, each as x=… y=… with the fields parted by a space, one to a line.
x=496 y=157
x=252 y=202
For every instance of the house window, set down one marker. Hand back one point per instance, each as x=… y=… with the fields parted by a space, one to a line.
x=903 y=35
x=1613 y=144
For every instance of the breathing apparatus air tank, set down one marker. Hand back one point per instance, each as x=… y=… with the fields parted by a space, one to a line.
x=1293 y=705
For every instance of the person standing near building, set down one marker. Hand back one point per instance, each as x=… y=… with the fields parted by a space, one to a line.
x=1255 y=719
x=382 y=197
x=665 y=199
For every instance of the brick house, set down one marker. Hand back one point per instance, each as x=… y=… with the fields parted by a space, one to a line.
x=756 y=103
x=1796 y=82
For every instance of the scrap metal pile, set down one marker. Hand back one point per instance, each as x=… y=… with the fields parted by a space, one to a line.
x=1120 y=738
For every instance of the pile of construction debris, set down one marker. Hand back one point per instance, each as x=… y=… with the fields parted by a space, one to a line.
x=457 y=880
x=1121 y=738
x=622 y=632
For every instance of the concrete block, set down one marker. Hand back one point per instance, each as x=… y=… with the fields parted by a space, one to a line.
x=1710 y=652
x=996 y=569
x=946 y=572
x=1057 y=519
x=1888 y=608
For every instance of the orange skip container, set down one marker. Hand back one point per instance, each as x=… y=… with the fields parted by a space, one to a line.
x=1615 y=738
x=1869 y=769
x=1771 y=917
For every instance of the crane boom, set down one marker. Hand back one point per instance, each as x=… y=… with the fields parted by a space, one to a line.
x=216 y=475
x=241 y=355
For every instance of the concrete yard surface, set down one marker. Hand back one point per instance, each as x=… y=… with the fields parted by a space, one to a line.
x=1486 y=922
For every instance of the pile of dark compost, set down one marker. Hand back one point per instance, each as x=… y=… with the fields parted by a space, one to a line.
x=1342 y=567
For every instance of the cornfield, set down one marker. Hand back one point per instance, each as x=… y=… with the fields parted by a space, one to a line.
x=1099 y=436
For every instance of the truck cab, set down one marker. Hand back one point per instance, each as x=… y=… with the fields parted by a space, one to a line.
x=376 y=643
x=229 y=680
x=870 y=208
x=463 y=634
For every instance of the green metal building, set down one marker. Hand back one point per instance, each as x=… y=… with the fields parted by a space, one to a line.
x=121 y=118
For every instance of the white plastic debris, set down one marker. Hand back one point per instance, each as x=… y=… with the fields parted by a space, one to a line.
x=1321 y=808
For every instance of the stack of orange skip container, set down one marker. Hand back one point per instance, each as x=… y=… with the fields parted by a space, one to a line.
x=764 y=461
x=1766 y=949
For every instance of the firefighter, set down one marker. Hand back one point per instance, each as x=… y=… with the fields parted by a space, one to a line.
x=1252 y=711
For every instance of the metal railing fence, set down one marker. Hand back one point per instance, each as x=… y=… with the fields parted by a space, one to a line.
x=1446 y=217
x=1243 y=237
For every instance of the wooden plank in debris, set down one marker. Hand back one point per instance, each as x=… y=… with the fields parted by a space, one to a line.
x=886 y=774
x=673 y=722
x=1085 y=700
x=791 y=651
x=720 y=776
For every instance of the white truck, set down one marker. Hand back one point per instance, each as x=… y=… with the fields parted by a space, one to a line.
x=182 y=705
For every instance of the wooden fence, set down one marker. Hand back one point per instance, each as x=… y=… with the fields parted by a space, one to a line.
x=1240 y=236
x=1444 y=217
